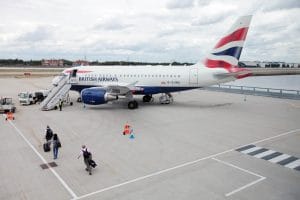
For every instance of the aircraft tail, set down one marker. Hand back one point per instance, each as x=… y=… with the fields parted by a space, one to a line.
x=227 y=51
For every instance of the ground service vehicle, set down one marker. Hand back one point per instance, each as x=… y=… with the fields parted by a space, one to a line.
x=6 y=105
x=28 y=98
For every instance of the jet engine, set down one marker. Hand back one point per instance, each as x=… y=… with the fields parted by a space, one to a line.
x=96 y=96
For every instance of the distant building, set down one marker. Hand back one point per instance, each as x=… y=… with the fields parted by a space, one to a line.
x=265 y=64
x=81 y=62
x=52 y=63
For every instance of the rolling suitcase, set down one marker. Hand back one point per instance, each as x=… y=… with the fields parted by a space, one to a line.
x=92 y=163
x=46 y=147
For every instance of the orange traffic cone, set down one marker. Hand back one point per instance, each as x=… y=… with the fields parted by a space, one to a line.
x=126 y=130
x=9 y=116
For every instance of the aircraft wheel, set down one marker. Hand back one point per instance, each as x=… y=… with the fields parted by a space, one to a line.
x=133 y=105
x=147 y=98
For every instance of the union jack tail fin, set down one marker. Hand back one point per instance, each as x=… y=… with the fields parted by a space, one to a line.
x=227 y=51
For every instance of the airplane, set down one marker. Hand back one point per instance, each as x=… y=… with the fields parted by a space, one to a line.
x=100 y=84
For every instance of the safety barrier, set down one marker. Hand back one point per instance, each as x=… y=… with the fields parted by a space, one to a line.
x=259 y=91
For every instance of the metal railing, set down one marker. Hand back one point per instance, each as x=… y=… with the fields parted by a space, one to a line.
x=259 y=91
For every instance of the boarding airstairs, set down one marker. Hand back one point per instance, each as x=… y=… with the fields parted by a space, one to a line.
x=57 y=92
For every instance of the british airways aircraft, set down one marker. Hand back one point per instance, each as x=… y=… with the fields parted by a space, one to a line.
x=101 y=84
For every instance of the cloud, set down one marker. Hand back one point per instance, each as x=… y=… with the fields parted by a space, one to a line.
x=182 y=30
x=280 y=5
x=179 y=4
x=207 y=20
x=39 y=34
x=213 y=13
x=111 y=23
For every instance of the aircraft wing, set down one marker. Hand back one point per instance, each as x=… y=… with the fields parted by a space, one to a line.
x=273 y=71
x=121 y=88
x=234 y=72
x=244 y=72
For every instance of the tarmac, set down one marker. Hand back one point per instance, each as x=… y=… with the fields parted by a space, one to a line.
x=205 y=145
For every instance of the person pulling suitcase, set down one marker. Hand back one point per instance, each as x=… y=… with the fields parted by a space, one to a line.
x=48 y=137
x=87 y=158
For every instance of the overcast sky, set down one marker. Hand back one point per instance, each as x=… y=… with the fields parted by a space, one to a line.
x=151 y=31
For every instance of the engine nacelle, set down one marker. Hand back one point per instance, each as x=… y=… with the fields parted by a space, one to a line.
x=96 y=96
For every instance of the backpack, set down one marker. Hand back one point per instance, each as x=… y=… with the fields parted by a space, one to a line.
x=86 y=154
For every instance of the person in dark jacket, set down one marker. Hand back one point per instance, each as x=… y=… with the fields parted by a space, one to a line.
x=60 y=104
x=49 y=134
x=56 y=144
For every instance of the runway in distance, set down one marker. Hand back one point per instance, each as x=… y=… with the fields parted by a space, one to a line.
x=101 y=84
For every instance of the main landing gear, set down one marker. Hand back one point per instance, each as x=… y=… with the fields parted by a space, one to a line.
x=147 y=98
x=166 y=98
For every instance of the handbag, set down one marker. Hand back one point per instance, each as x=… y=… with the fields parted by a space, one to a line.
x=58 y=144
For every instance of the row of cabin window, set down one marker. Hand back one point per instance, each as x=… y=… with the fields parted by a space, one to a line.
x=142 y=75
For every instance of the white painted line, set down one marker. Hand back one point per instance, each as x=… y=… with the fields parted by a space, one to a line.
x=44 y=161
x=239 y=168
x=251 y=150
x=279 y=158
x=293 y=164
x=244 y=187
x=187 y=164
x=266 y=153
x=153 y=174
x=244 y=170
x=276 y=136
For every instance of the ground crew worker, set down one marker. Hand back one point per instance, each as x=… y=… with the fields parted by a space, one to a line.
x=60 y=104
x=87 y=157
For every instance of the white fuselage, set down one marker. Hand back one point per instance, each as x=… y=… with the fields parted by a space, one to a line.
x=168 y=78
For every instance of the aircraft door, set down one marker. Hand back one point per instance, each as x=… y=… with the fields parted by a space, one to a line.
x=73 y=76
x=193 y=76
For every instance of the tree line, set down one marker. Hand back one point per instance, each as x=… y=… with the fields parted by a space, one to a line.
x=20 y=62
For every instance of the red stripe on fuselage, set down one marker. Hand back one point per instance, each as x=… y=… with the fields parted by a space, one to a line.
x=237 y=35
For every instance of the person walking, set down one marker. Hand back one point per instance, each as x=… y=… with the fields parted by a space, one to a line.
x=87 y=157
x=56 y=144
x=49 y=134
x=60 y=104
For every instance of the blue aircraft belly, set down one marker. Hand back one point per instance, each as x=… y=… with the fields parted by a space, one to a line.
x=146 y=90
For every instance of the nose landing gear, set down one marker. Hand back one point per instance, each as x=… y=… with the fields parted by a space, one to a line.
x=133 y=105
